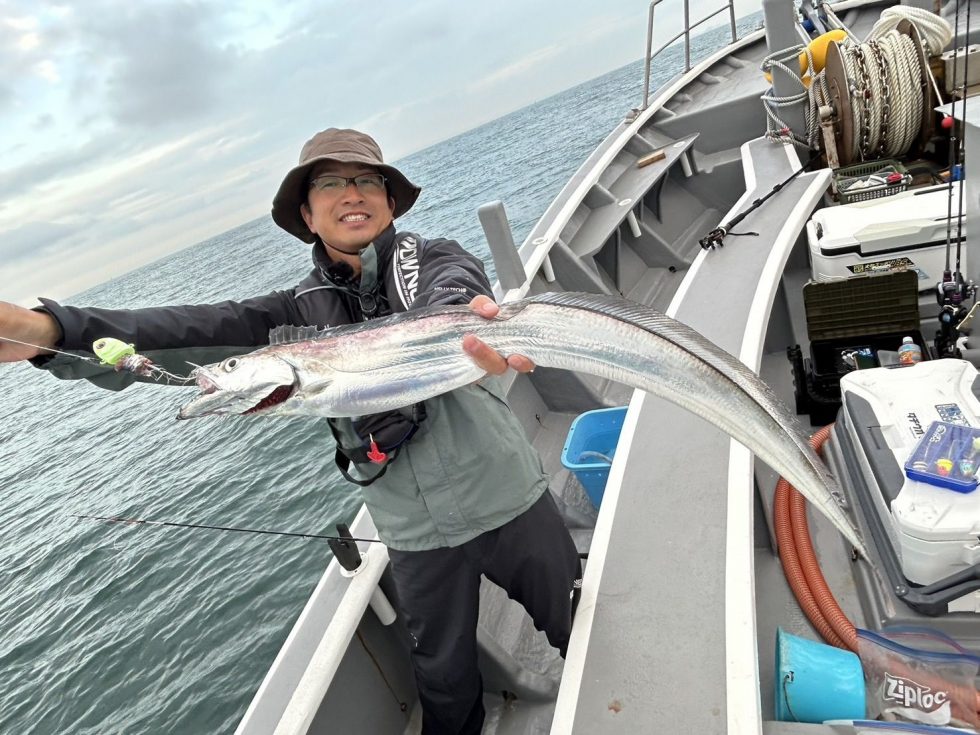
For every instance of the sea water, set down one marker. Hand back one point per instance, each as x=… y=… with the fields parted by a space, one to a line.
x=111 y=628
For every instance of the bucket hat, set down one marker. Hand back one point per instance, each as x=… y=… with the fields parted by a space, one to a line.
x=342 y=146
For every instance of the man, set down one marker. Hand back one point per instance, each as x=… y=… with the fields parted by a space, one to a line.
x=459 y=492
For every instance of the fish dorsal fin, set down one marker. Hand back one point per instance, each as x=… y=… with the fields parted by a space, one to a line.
x=676 y=332
x=287 y=334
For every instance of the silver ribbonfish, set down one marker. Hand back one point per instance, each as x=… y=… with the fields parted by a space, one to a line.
x=397 y=361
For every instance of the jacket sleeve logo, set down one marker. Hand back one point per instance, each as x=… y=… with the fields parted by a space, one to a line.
x=406 y=267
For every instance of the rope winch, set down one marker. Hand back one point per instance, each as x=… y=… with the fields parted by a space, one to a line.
x=880 y=93
x=862 y=100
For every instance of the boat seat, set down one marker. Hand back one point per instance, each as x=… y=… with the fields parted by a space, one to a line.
x=723 y=124
x=609 y=204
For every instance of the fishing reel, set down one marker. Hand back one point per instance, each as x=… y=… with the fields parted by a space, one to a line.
x=713 y=239
x=954 y=290
x=953 y=293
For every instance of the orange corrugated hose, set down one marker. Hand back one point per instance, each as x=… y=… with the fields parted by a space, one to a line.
x=802 y=569
x=791 y=564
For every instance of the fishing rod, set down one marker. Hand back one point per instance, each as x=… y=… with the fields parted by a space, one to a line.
x=714 y=238
x=344 y=532
x=952 y=291
x=332 y=540
x=954 y=151
x=961 y=152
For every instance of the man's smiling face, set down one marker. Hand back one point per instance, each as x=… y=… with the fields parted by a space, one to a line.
x=347 y=217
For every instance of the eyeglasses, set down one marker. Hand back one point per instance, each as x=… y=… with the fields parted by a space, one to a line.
x=368 y=183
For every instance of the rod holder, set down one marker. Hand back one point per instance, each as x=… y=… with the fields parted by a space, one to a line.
x=346 y=552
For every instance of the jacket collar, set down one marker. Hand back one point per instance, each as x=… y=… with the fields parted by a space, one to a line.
x=383 y=245
x=366 y=294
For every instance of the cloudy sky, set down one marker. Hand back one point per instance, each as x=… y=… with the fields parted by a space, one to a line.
x=133 y=128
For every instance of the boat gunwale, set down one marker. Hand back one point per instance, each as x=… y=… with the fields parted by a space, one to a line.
x=534 y=250
x=537 y=245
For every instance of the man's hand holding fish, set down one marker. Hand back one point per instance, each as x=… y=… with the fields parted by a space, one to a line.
x=484 y=355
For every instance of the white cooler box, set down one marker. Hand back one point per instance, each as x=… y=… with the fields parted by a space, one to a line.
x=905 y=231
x=933 y=530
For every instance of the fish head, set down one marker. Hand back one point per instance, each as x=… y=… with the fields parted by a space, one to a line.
x=259 y=382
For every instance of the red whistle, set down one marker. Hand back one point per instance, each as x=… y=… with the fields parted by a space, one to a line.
x=375 y=454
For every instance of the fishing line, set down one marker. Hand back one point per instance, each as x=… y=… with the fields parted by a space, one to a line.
x=174 y=524
x=50 y=349
x=118 y=355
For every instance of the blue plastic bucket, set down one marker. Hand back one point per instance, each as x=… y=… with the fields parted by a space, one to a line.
x=816 y=682
x=590 y=446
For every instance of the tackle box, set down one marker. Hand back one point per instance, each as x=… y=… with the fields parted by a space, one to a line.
x=947 y=455
x=907 y=231
x=848 y=323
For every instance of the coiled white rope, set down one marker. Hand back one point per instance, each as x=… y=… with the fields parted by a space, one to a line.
x=886 y=85
x=935 y=31
x=776 y=128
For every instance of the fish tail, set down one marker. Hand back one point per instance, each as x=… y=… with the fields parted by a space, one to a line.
x=735 y=371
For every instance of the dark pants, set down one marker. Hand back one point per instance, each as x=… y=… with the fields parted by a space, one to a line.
x=532 y=557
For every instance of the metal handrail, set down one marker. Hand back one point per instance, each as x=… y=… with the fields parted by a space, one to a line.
x=686 y=33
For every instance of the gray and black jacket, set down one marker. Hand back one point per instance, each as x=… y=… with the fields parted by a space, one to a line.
x=466 y=470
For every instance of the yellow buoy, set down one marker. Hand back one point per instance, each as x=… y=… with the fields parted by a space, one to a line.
x=818 y=48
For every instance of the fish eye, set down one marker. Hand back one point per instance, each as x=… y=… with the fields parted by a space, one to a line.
x=230 y=364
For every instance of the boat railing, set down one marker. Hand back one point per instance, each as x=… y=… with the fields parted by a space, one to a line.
x=685 y=33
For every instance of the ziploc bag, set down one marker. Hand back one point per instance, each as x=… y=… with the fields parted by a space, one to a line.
x=931 y=687
x=947 y=455
x=876 y=727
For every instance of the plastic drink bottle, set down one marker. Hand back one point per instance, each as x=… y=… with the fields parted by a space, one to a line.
x=909 y=353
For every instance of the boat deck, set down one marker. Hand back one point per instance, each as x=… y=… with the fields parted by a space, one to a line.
x=668 y=521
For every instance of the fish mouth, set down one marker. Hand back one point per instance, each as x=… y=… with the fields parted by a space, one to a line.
x=280 y=394
x=205 y=383
x=215 y=399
